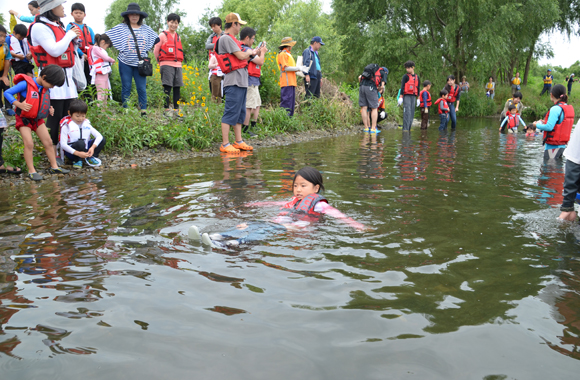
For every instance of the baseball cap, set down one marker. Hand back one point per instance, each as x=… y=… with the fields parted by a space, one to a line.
x=234 y=17
x=317 y=39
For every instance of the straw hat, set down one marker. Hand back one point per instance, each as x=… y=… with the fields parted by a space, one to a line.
x=287 y=41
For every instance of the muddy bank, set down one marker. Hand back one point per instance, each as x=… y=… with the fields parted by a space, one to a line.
x=149 y=156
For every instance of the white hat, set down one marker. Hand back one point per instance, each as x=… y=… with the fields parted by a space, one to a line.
x=48 y=5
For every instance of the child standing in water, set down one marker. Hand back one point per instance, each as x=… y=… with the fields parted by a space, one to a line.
x=306 y=206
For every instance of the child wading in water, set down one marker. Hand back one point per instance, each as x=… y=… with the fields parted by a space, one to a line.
x=305 y=207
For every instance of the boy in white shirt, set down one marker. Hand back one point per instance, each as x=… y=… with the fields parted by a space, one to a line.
x=75 y=133
x=21 y=56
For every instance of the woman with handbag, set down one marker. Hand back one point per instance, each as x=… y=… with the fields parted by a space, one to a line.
x=133 y=40
x=51 y=44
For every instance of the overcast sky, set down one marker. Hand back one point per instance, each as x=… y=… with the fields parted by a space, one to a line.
x=565 y=51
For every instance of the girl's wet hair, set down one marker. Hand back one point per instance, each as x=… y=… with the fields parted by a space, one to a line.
x=559 y=92
x=311 y=175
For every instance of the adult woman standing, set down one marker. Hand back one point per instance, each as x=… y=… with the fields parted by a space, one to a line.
x=288 y=69
x=124 y=36
x=490 y=88
x=51 y=44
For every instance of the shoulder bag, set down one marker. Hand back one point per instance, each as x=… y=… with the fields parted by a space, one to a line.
x=144 y=66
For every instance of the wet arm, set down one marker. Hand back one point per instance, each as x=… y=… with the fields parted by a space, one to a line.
x=331 y=211
x=552 y=120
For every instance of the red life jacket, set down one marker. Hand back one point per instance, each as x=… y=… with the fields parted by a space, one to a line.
x=306 y=205
x=253 y=69
x=100 y=66
x=513 y=120
x=39 y=100
x=444 y=105
x=422 y=105
x=86 y=38
x=453 y=92
x=412 y=85
x=379 y=77
x=171 y=50
x=41 y=57
x=560 y=135
x=213 y=41
x=229 y=62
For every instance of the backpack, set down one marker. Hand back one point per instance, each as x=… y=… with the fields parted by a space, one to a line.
x=369 y=72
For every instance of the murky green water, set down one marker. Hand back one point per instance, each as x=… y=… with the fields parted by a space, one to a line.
x=466 y=274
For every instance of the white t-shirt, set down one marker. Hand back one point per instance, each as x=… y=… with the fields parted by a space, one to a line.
x=16 y=47
x=572 y=151
x=42 y=35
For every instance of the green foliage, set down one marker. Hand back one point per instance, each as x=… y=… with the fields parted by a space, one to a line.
x=475 y=103
x=157 y=11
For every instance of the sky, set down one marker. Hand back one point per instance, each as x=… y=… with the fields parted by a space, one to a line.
x=563 y=47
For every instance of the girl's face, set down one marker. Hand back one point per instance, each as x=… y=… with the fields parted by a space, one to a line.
x=104 y=45
x=134 y=18
x=303 y=188
x=33 y=11
x=58 y=11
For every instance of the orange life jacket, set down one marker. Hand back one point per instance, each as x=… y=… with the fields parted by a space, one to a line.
x=171 y=50
x=41 y=57
x=412 y=85
x=39 y=100
x=422 y=105
x=253 y=69
x=445 y=105
x=560 y=135
x=228 y=62
x=86 y=38
x=453 y=92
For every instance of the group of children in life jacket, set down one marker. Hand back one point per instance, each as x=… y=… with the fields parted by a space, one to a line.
x=29 y=99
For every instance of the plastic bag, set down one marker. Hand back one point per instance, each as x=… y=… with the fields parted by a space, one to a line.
x=400 y=101
x=79 y=73
x=3 y=123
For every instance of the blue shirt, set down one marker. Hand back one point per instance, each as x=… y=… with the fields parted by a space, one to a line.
x=81 y=27
x=556 y=116
x=316 y=60
x=19 y=88
x=26 y=18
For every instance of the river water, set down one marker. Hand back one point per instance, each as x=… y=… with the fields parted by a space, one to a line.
x=464 y=272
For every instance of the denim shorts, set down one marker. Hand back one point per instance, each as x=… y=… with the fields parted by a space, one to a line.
x=235 y=108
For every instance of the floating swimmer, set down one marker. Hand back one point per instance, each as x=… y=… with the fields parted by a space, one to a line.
x=305 y=207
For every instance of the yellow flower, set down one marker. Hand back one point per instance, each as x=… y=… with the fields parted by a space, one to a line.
x=206 y=108
x=203 y=98
x=197 y=101
x=203 y=104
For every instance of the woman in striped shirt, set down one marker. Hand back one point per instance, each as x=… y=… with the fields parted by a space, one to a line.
x=123 y=41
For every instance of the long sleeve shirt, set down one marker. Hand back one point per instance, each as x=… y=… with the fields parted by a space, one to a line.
x=425 y=98
x=443 y=106
x=556 y=117
x=28 y=19
x=18 y=89
x=71 y=132
x=19 y=47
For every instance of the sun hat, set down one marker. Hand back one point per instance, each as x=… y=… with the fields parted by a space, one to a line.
x=48 y=5
x=134 y=9
x=234 y=17
x=287 y=41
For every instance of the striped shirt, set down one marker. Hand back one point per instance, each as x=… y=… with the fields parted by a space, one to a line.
x=124 y=42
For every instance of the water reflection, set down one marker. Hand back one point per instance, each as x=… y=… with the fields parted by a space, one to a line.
x=102 y=267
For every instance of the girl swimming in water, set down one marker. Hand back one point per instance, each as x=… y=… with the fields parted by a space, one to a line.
x=305 y=207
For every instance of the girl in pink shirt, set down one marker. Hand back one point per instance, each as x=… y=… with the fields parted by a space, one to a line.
x=100 y=64
x=306 y=207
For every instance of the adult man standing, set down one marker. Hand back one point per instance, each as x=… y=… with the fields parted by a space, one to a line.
x=233 y=62
x=548 y=78
x=311 y=62
x=253 y=100
x=516 y=81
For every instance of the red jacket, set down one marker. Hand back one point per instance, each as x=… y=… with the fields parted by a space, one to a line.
x=42 y=58
x=443 y=105
x=422 y=105
x=560 y=135
x=171 y=50
x=412 y=85
x=229 y=62
x=39 y=100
